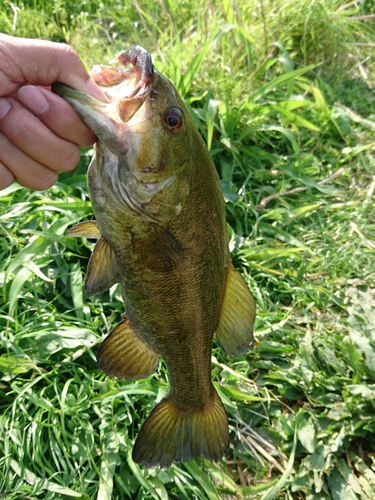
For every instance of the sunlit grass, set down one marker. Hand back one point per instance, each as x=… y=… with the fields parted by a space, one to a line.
x=290 y=127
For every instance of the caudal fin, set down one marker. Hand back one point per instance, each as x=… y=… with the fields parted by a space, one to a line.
x=172 y=435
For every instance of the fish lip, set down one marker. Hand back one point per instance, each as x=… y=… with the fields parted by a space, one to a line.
x=111 y=122
x=70 y=94
x=99 y=116
x=141 y=60
x=120 y=109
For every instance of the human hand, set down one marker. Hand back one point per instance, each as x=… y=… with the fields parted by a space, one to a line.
x=40 y=133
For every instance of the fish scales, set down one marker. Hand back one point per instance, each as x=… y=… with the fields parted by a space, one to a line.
x=161 y=230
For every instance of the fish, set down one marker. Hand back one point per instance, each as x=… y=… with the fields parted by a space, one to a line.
x=162 y=235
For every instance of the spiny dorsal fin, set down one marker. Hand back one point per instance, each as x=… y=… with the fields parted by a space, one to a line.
x=104 y=268
x=125 y=355
x=171 y=434
x=235 y=330
x=159 y=251
x=86 y=229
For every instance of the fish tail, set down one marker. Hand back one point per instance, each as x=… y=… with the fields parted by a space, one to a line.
x=173 y=435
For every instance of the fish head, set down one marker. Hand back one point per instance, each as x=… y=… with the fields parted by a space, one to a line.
x=145 y=137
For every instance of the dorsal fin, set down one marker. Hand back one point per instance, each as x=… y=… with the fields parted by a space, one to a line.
x=86 y=229
x=235 y=330
x=104 y=268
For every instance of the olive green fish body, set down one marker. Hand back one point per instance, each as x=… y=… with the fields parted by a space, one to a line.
x=187 y=299
x=178 y=311
x=161 y=230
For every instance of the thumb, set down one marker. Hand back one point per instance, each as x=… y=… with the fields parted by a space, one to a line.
x=40 y=62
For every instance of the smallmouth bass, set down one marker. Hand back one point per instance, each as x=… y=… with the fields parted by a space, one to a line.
x=161 y=231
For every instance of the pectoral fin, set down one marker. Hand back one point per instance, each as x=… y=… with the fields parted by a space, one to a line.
x=125 y=355
x=159 y=251
x=104 y=268
x=87 y=229
x=235 y=330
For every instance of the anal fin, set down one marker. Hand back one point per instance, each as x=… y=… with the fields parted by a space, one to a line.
x=86 y=229
x=104 y=268
x=235 y=330
x=125 y=355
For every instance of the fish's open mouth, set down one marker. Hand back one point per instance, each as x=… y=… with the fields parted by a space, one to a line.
x=126 y=84
x=125 y=89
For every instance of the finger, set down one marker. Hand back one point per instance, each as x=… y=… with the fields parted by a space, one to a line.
x=57 y=114
x=30 y=135
x=41 y=62
x=6 y=177
x=25 y=170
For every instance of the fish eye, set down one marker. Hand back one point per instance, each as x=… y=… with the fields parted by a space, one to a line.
x=173 y=119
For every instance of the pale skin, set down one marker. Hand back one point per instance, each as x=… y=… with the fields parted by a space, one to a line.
x=40 y=134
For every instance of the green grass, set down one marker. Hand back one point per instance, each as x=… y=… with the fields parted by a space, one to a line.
x=282 y=92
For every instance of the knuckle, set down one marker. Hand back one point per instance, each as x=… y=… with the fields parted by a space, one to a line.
x=68 y=55
x=43 y=181
x=6 y=177
x=70 y=158
x=17 y=124
x=87 y=140
x=68 y=49
x=22 y=130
